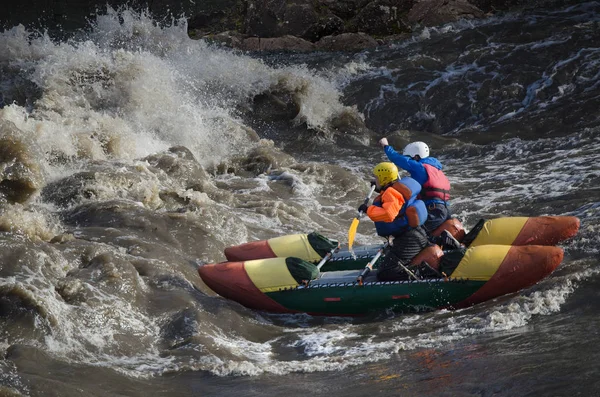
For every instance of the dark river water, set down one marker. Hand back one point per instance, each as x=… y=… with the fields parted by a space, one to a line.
x=130 y=154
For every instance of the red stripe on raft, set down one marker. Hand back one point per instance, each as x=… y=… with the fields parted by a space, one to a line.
x=332 y=299
x=249 y=251
x=522 y=267
x=230 y=280
x=547 y=230
x=400 y=296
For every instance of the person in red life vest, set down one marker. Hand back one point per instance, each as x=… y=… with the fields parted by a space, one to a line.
x=397 y=212
x=428 y=172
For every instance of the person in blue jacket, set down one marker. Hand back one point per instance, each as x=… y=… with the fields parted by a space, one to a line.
x=428 y=172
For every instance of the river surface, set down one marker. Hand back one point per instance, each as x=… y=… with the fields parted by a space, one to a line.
x=130 y=154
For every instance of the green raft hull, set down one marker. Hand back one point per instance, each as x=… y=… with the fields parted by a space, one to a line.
x=348 y=299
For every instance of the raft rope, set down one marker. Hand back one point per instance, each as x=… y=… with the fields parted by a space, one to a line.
x=375 y=283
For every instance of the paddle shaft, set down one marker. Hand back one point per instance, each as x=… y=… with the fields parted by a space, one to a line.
x=360 y=213
x=369 y=265
x=326 y=257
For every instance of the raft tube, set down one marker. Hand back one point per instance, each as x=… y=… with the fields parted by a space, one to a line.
x=485 y=272
x=539 y=230
x=310 y=247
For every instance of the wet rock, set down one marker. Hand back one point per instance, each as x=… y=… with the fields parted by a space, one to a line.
x=326 y=26
x=346 y=42
x=306 y=19
x=345 y=9
x=222 y=15
x=261 y=18
x=284 y=43
x=68 y=15
x=275 y=106
x=298 y=19
x=277 y=25
x=383 y=17
x=437 y=12
x=228 y=38
x=496 y=5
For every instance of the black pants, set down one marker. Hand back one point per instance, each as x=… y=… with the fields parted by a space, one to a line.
x=436 y=215
x=406 y=246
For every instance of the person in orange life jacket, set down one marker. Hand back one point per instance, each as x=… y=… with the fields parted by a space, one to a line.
x=428 y=172
x=397 y=212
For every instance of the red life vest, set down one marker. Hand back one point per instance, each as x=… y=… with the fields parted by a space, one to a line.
x=437 y=185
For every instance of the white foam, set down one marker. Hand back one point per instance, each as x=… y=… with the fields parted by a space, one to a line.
x=144 y=88
x=34 y=222
x=315 y=342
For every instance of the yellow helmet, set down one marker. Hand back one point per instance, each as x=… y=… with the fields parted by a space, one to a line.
x=385 y=172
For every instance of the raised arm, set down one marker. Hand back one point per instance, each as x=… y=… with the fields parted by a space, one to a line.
x=416 y=169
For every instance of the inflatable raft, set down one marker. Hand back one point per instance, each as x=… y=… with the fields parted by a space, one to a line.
x=541 y=230
x=279 y=275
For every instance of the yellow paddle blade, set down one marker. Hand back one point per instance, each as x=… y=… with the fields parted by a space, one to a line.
x=352 y=233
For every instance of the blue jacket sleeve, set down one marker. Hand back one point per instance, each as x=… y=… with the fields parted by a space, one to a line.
x=416 y=169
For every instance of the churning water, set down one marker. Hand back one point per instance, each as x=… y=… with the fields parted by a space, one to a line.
x=129 y=154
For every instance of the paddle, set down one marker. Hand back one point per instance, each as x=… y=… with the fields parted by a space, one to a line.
x=326 y=257
x=354 y=224
x=369 y=265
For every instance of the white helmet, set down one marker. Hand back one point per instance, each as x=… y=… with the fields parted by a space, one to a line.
x=416 y=149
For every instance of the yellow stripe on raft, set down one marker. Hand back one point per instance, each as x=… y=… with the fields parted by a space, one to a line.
x=501 y=231
x=294 y=245
x=480 y=263
x=269 y=274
